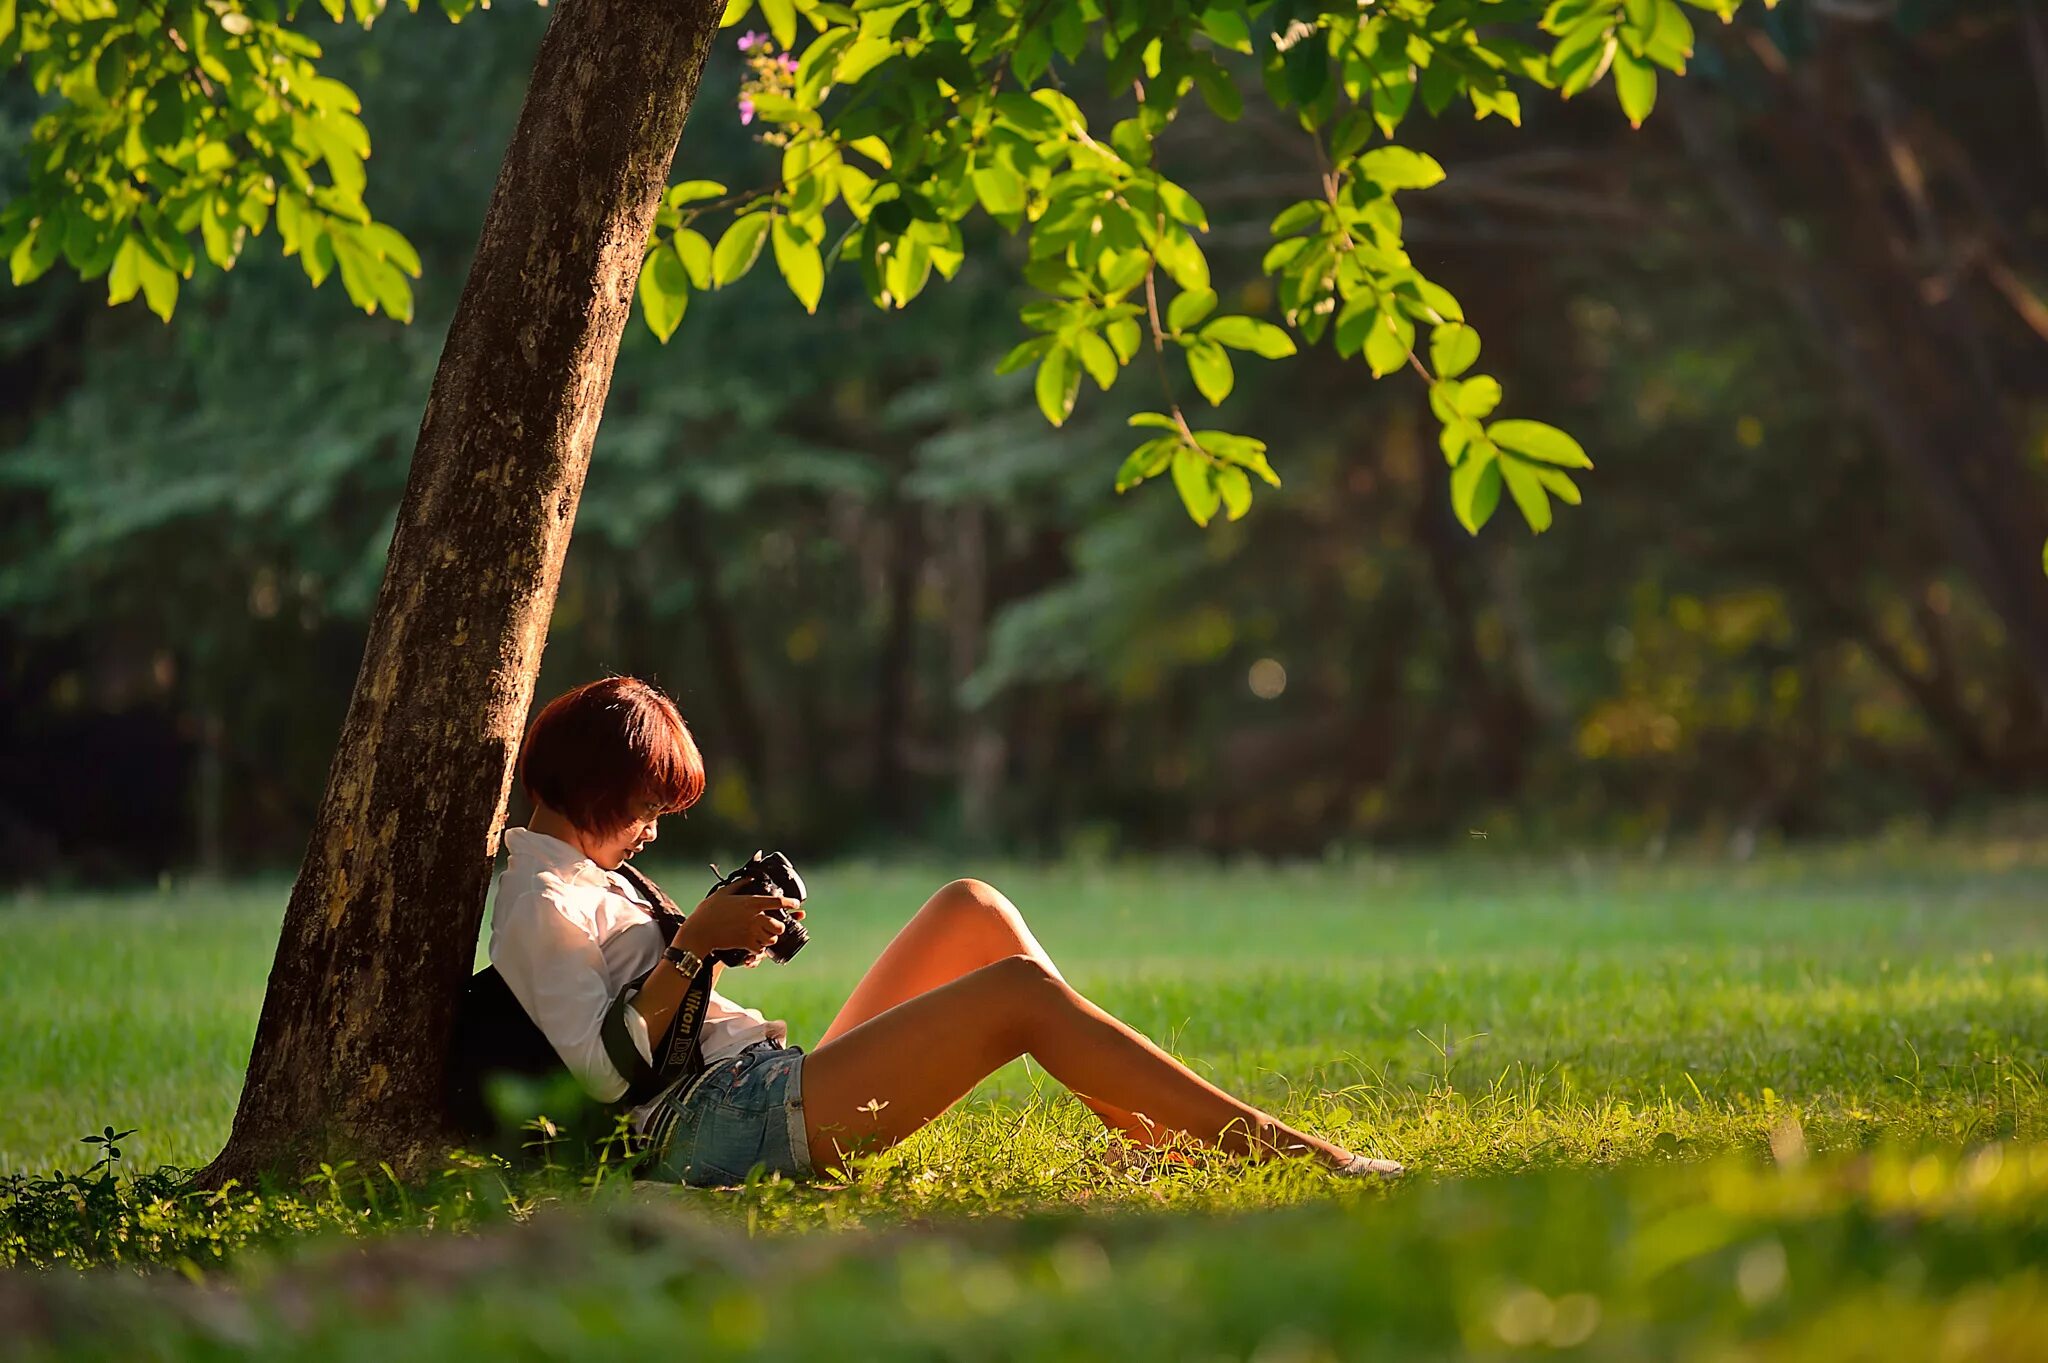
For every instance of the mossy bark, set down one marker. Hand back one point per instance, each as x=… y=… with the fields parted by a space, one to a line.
x=350 y=1052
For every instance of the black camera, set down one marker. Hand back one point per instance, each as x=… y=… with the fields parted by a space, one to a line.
x=770 y=875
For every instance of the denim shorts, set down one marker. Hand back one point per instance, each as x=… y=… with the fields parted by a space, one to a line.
x=743 y=1113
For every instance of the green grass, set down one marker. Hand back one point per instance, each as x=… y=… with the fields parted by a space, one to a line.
x=1470 y=1016
x=1510 y=1029
x=1874 y=1257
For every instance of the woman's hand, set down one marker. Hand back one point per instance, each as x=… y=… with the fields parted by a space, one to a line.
x=724 y=920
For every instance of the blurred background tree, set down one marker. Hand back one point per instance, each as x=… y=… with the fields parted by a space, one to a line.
x=1798 y=319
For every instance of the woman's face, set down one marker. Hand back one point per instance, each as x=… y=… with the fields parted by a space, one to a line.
x=609 y=850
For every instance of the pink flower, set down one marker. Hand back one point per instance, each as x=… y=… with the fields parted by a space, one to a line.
x=750 y=40
x=787 y=62
x=746 y=108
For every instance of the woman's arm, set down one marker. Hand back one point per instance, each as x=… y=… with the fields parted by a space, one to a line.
x=721 y=921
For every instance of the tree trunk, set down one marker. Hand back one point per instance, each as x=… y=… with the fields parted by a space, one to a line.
x=350 y=1052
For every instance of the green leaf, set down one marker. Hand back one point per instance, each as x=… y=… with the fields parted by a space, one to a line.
x=1527 y=490
x=37 y=251
x=388 y=243
x=1672 y=45
x=1453 y=348
x=820 y=64
x=1308 y=69
x=1394 y=168
x=1122 y=271
x=1031 y=55
x=1235 y=489
x=1583 y=71
x=371 y=282
x=796 y=255
x=1132 y=142
x=1296 y=217
x=1475 y=489
x=809 y=176
x=1147 y=461
x=124 y=279
x=1124 y=338
x=694 y=250
x=1058 y=384
x=693 y=191
x=1219 y=91
x=999 y=188
x=222 y=235
x=1350 y=134
x=1387 y=343
x=159 y=283
x=1249 y=333
x=1558 y=482
x=1182 y=206
x=1025 y=353
x=110 y=72
x=1242 y=450
x=1438 y=301
x=1226 y=28
x=1635 y=81
x=1182 y=259
x=1097 y=358
x=664 y=293
x=1356 y=321
x=739 y=248
x=164 y=125
x=1156 y=420
x=1192 y=478
x=1209 y=366
x=1471 y=398
x=1536 y=440
x=1189 y=308
x=781 y=17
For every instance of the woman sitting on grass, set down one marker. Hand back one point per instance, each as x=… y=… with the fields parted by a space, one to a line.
x=963 y=989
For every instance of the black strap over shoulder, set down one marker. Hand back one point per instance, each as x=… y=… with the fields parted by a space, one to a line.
x=494 y=1035
x=678 y=1053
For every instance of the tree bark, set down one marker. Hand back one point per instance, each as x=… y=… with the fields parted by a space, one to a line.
x=350 y=1052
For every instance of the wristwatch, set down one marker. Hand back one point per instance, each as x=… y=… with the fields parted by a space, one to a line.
x=686 y=961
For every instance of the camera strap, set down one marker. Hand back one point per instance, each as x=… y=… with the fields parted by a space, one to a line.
x=678 y=1053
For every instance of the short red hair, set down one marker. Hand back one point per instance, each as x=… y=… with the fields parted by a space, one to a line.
x=604 y=751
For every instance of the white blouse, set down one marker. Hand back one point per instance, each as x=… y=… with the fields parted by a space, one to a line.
x=567 y=936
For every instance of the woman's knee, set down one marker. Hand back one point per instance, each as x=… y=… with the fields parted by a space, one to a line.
x=1020 y=991
x=974 y=905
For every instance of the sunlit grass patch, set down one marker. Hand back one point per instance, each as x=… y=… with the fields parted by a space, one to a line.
x=1468 y=1017
x=1886 y=1254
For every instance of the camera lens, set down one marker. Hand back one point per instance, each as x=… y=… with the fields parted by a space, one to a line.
x=792 y=940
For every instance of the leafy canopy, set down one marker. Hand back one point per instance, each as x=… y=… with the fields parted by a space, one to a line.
x=181 y=128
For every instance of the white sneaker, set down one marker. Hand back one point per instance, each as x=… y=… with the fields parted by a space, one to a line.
x=1363 y=1166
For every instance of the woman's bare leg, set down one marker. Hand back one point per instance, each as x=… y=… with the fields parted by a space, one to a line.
x=966 y=925
x=882 y=1080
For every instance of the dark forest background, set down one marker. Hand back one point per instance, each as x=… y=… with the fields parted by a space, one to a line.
x=1798 y=320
